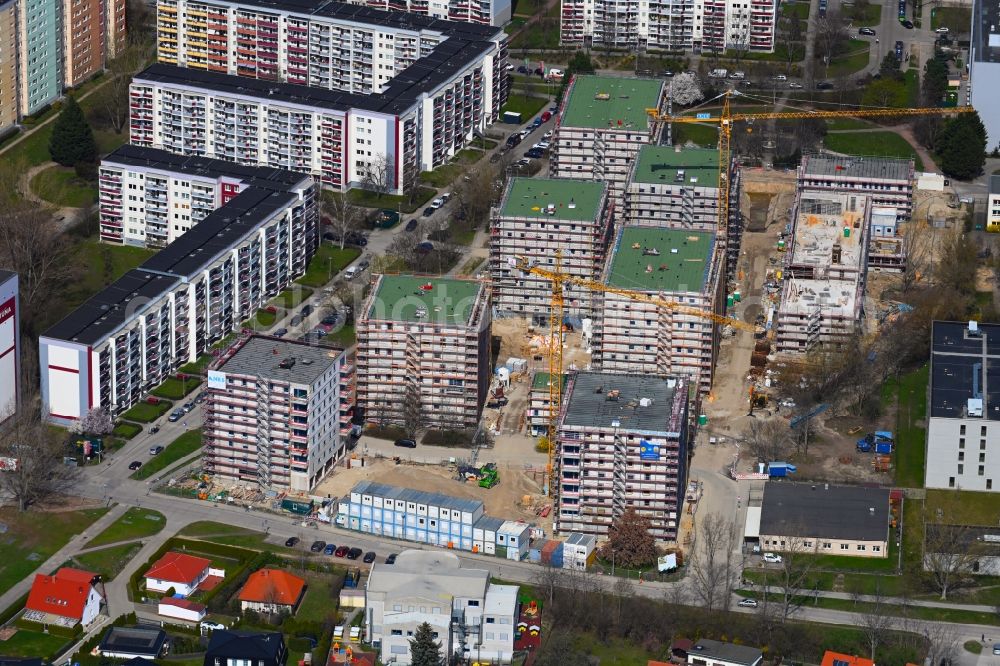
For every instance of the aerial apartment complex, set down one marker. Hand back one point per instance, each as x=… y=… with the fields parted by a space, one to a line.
x=963 y=424
x=622 y=443
x=487 y=12
x=278 y=413
x=536 y=218
x=150 y=197
x=636 y=337
x=129 y=337
x=601 y=126
x=50 y=45
x=346 y=93
x=822 y=295
x=674 y=25
x=423 y=348
x=679 y=188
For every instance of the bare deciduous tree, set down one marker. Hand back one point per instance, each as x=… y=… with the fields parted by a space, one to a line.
x=950 y=550
x=793 y=576
x=768 y=439
x=115 y=98
x=716 y=562
x=874 y=619
x=39 y=471
x=831 y=36
x=344 y=216
x=377 y=175
x=412 y=412
x=791 y=34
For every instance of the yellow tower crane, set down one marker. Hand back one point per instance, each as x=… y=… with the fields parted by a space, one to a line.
x=726 y=120
x=558 y=279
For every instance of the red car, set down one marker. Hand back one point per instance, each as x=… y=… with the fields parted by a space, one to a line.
x=546 y=117
x=342 y=551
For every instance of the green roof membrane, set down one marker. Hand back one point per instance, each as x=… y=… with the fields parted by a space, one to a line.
x=406 y=298
x=610 y=101
x=577 y=200
x=661 y=164
x=682 y=264
x=541 y=380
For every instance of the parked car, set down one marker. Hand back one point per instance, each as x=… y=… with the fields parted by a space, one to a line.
x=342 y=551
x=429 y=211
x=154 y=430
x=513 y=140
x=317 y=546
x=281 y=332
x=175 y=416
x=330 y=549
x=295 y=320
x=748 y=603
x=391 y=558
x=547 y=135
x=535 y=153
x=546 y=116
x=134 y=465
x=942 y=30
x=291 y=541
x=411 y=225
x=996 y=648
x=369 y=557
x=793 y=84
x=824 y=85
x=330 y=319
x=866 y=31
x=155 y=450
x=356 y=238
x=188 y=407
x=406 y=443
x=438 y=202
x=780 y=77
x=354 y=553
x=772 y=558
x=424 y=248
x=522 y=70
x=908 y=24
x=898 y=50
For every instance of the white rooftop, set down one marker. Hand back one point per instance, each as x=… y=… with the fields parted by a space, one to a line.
x=430 y=574
x=825 y=226
x=837 y=298
x=500 y=600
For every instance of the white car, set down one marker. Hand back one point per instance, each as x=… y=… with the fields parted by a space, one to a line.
x=748 y=603
x=211 y=626
x=794 y=85
x=772 y=558
x=780 y=77
x=547 y=135
x=510 y=67
x=942 y=30
x=544 y=145
x=445 y=196
x=437 y=203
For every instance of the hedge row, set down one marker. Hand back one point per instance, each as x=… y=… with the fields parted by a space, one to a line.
x=14 y=609
x=177 y=543
x=55 y=630
x=218 y=599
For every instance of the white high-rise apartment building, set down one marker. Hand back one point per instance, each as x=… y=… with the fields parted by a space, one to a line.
x=487 y=12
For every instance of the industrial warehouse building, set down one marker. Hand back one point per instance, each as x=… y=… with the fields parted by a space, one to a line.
x=643 y=338
x=129 y=337
x=278 y=413
x=602 y=125
x=826 y=519
x=963 y=418
x=423 y=348
x=536 y=218
x=622 y=443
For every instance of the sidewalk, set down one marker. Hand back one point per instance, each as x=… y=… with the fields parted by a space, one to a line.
x=892 y=601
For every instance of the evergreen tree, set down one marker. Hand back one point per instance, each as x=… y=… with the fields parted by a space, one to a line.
x=962 y=146
x=424 y=650
x=72 y=140
x=935 y=83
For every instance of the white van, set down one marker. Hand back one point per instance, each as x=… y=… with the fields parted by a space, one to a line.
x=351 y=272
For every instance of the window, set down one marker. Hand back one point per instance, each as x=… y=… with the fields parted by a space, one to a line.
x=961 y=455
x=989 y=484
x=876 y=549
x=981 y=470
x=951 y=482
x=844 y=546
x=982 y=431
x=397 y=632
x=861 y=546
x=490 y=620
x=961 y=469
x=827 y=545
x=473 y=602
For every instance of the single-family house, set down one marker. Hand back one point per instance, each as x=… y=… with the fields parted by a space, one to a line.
x=706 y=652
x=133 y=643
x=272 y=591
x=182 y=609
x=831 y=658
x=180 y=571
x=243 y=648
x=69 y=597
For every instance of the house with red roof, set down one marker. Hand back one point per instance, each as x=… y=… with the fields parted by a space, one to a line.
x=272 y=591
x=69 y=597
x=831 y=658
x=182 y=572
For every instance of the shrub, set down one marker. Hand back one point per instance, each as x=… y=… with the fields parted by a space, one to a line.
x=170 y=592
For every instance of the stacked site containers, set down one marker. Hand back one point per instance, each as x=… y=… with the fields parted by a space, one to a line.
x=484 y=535
x=552 y=553
x=514 y=537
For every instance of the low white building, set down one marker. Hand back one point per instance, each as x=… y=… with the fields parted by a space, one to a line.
x=579 y=550
x=993 y=205
x=962 y=548
x=471 y=617
x=181 y=609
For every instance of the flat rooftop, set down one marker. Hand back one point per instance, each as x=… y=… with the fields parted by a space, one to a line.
x=995 y=184
x=154 y=159
x=683 y=261
x=664 y=164
x=825 y=511
x=825 y=227
x=433 y=300
x=591 y=402
x=264 y=357
x=964 y=365
x=541 y=381
x=600 y=102
x=744 y=655
x=864 y=168
x=417 y=496
x=837 y=298
x=554 y=199
x=985 y=40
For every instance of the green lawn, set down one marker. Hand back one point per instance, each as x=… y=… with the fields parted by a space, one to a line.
x=798 y=10
x=135 y=523
x=318 y=605
x=174 y=388
x=957 y=19
x=367 y=199
x=834 y=124
x=204 y=528
x=543 y=34
x=183 y=446
x=972 y=508
x=198 y=367
x=443 y=176
x=526 y=105
x=60 y=185
x=871 y=16
x=291 y=298
x=345 y=337
x=126 y=430
x=329 y=261
x=471 y=266
x=881 y=144
x=910 y=435
x=144 y=412
x=108 y=561
x=262 y=319
x=104 y=263
x=702 y=135
x=975 y=647
x=33 y=644
x=854 y=59
x=24 y=546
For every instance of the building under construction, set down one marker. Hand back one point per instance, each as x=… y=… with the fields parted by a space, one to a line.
x=622 y=443
x=601 y=126
x=635 y=336
x=888 y=181
x=825 y=268
x=536 y=218
x=423 y=351
x=278 y=413
x=676 y=187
